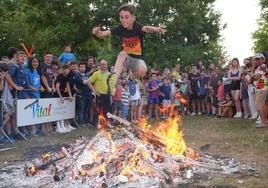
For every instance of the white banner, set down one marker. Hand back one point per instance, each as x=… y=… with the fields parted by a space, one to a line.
x=36 y=111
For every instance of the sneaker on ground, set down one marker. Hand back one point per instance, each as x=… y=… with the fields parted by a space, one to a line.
x=239 y=115
x=59 y=128
x=199 y=113
x=193 y=114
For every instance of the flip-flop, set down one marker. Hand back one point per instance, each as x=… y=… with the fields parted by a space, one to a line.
x=261 y=125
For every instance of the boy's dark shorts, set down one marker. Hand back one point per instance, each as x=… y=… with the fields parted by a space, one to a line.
x=117 y=106
x=194 y=96
x=153 y=100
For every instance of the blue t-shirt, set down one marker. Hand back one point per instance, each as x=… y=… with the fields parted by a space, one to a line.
x=83 y=89
x=64 y=58
x=203 y=81
x=34 y=81
x=166 y=90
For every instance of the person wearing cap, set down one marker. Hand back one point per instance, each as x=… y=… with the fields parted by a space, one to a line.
x=260 y=82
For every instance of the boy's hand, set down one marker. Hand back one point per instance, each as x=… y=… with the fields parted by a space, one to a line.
x=61 y=100
x=71 y=98
x=162 y=29
x=18 y=88
x=95 y=30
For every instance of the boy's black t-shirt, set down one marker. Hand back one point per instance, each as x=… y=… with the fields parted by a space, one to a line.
x=62 y=80
x=194 y=78
x=132 y=40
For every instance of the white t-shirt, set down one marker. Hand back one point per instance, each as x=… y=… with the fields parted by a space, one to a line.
x=137 y=95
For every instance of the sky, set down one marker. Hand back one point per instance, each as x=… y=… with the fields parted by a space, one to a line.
x=241 y=19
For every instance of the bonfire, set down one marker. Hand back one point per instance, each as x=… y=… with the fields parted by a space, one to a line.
x=127 y=155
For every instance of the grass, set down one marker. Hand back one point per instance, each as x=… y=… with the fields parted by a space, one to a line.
x=232 y=138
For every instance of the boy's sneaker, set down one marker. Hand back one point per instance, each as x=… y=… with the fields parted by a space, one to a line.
x=199 y=113
x=59 y=128
x=193 y=114
x=238 y=115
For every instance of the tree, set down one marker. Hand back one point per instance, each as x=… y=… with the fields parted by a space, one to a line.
x=261 y=34
x=193 y=28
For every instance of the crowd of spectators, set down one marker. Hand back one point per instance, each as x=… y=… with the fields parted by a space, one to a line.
x=229 y=91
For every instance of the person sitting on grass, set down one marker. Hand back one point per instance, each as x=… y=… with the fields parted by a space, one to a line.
x=226 y=107
x=131 y=34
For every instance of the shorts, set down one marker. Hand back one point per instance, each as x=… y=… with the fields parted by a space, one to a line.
x=260 y=99
x=153 y=101
x=135 y=102
x=208 y=99
x=235 y=85
x=132 y=63
x=202 y=97
x=194 y=96
x=166 y=103
x=144 y=100
x=117 y=106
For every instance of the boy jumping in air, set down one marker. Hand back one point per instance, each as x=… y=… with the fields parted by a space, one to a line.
x=131 y=34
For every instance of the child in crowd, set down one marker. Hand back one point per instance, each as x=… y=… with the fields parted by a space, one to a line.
x=226 y=107
x=63 y=90
x=152 y=88
x=125 y=101
x=202 y=90
x=35 y=83
x=194 y=79
x=135 y=97
x=67 y=56
x=165 y=92
x=220 y=92
x=244 y=95
x=117 y=99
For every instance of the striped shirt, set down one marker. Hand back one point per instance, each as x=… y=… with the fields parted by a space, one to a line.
x=125 y=97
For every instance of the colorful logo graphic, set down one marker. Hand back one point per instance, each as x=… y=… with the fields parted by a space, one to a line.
x=39 y=111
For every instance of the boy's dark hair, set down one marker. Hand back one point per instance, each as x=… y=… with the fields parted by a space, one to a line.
x=67 y=45
x=21 y=52
x=72 y=63
x=127 y=7
x=124 y=84
x=153 y=73
x=82 y=63
x=90 y=57
x=65 y=66
x=50 y=53
x=11 y=51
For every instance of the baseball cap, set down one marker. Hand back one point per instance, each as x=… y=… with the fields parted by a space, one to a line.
x=259 y=56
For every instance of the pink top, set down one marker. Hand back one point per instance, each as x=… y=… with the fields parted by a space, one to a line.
x=220 y=93
x=118 y=94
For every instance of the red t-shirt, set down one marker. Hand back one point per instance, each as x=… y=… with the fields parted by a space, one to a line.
x=118 y=94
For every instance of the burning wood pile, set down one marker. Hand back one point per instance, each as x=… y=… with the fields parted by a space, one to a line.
x=127 y=156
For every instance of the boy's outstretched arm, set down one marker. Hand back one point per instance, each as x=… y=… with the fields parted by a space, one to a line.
x=152 y=29
x=100 y=34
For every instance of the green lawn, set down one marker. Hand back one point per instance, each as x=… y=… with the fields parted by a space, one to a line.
x=229 y=137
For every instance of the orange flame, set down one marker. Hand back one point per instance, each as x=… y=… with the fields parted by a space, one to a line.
x=102 y=122
x=32 y=170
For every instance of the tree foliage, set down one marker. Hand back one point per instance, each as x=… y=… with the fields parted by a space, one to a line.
x=261 y=34
x=193 y=28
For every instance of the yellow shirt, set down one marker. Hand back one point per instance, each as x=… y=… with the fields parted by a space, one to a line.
x=99 y=80
x=176 y=74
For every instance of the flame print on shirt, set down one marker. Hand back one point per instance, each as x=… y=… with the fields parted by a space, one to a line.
x=132 y=45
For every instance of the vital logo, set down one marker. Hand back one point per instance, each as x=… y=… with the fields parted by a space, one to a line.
x=39 y=111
